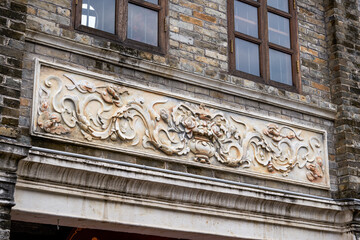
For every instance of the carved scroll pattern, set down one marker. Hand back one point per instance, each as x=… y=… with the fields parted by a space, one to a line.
x=180 y=129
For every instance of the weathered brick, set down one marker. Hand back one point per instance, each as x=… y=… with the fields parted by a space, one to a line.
x=191 y=5
x=310 y=51
x=12 y=34
x=12 y=14
x=215 y=55
x=18 y=7
x=9 y=112
x=12 y=103
x=10 y=71
x=215 y=13
x=204 y=17
x=10 y=121
x=206 y=60
x=191 y=20
x=9 y=92
x=51 y=52
x=8 y=132
x=180 y=24
x=180 y=9
x=181 y=38
x=3 y=21
x=320 y=86
x=18 y=26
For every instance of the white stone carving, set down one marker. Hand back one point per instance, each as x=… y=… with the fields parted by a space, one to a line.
x=84 y=109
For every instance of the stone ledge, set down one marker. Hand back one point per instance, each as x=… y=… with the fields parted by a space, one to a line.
x=78 y=207
x=111 y=181
x=10 y=153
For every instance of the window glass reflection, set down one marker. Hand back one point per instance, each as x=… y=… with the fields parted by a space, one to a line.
x=246 y=19
x=142 y=25
x=152 y=1
x=280 y=67
x=247 y=57
x=279 y=30
x=282 y=5
x=99 y=14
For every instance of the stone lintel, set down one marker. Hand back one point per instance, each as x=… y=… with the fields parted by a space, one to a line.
x=78 y=192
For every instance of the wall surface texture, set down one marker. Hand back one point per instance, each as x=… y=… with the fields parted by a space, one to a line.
x=13 y=145
x=128 y=127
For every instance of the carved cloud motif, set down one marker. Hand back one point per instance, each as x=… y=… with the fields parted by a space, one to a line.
x=108 y=112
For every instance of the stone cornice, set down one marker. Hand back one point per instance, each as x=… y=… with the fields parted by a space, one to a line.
x=179 y=75
x=75 y=176
x=11 y=152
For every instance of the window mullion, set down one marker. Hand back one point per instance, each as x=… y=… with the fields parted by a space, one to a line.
x=121 y=19
x=264 y=54
x=294 y=45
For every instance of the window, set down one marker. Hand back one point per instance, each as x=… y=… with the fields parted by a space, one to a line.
x=138 y=23
x=263 y=42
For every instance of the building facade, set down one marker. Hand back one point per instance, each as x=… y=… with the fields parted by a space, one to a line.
x=219 y=119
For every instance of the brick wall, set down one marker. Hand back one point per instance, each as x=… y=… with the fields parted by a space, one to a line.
x=12 y=42
x=13 y=146
x=198 y=37
x=197 y=44
x=344 y=49
x=329 y=45
x=313 y=50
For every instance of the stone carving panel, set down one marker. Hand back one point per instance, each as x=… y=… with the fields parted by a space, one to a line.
x=77 y=107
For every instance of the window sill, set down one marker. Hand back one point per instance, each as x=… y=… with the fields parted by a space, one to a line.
x=128 y=43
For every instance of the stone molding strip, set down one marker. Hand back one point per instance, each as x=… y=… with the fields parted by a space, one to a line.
x=131 y=214
x=44 y=151
x=74 y=177
x=114 y=57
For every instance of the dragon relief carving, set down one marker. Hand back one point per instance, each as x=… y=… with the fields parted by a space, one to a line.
x=176 y=130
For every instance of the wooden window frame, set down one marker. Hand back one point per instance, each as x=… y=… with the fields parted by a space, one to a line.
x=265 y=45
x=121 y=17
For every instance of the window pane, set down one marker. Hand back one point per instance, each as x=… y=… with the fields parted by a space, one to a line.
x=246 y=19
x=99 y=14
x=282 y=5
x=142 y=25
x=153 y=1
x=247 y=57
x=280 y=67
x=279 y=30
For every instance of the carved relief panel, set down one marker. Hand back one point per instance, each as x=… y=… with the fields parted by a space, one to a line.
x=89 y=109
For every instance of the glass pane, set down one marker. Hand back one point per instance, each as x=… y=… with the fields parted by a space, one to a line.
x=246 y=19
x=247 y=57
x=153 y=1
x=280 y=67
x=99 y=14
x=142 y=25
x=282 y=5
x=279 y=30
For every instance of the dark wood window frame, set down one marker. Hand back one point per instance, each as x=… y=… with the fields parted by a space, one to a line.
x=265 y=45
x=121 y=17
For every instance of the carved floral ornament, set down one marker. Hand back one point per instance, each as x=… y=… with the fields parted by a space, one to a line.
x=85 y=109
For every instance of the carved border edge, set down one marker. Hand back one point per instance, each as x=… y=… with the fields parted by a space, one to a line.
x=40 y=62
